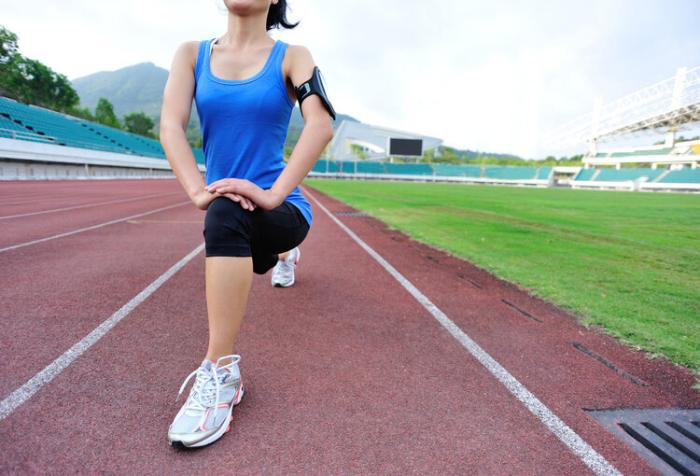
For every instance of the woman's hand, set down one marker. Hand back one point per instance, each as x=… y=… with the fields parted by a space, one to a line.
x=265 y=199
x=203 y=198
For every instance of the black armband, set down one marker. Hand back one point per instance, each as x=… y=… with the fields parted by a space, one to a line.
x=314 y=85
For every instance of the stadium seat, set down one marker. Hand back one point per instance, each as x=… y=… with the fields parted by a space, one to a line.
x=32 y=123
x=543 y=173
x=636 y=153
x=618 y=175
x=585 y=174
x=686 y=175
x=370 y=167
x=510 y=172
x=408 y=169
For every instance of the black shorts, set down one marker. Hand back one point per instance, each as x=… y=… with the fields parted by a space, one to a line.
x=231 y=230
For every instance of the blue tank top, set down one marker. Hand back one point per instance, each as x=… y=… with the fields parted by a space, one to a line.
x=244 y=123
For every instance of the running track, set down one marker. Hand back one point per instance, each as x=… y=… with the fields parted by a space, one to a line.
x=386 y=357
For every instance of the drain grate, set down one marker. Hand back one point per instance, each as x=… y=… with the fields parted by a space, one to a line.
x=669 y=439
x=352 y=214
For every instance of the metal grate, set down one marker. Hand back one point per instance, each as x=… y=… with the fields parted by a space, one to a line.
x=669 y=439
x=352 y=214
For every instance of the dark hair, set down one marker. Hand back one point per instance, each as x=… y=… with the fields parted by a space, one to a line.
x=277 y=16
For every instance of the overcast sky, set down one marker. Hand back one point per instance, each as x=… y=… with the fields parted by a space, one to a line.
x=492 y=76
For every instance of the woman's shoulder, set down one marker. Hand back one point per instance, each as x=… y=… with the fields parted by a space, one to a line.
x=297 y=50
x=187 y=52
x=297 y=57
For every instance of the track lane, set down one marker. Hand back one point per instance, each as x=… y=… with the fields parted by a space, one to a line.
x=55 y=292
x=344 y=371
x=25 y=196
x=20 y=233
x=539 y=354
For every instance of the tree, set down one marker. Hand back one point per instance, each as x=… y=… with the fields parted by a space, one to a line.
x=104 y=113
x=139 y=123
x=30 y=81
x=82 y=112
x=8 y=45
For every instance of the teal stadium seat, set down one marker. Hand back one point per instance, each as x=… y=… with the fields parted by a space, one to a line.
x=543 y=173
x=37 y=124
x=585 y=174
x=128 y=142
x=454 y=170
x=636 y=153
x=370 y=168
x=408 y=169
x=347 y=166
x=510 y=173
x=682 y=176
x=615 y=175
x=319 y=166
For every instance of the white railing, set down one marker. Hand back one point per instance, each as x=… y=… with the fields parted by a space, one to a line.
x=668 y=103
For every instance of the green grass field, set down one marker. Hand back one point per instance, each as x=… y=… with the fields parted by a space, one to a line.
x=626 y=261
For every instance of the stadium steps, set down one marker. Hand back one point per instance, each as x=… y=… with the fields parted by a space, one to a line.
x=661 y=176
x=595 y=175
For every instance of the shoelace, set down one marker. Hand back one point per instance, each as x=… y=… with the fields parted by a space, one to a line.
x=201 y=396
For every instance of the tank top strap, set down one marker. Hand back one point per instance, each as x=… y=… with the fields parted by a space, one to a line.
x=276 y=60
x=280 y=47
x=201 y=54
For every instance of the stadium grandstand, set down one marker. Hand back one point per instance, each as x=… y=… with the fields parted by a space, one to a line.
x=38 y=143
x=666 y=107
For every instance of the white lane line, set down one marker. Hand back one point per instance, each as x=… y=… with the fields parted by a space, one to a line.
x=33 y=385
x=596 y=462
x=54 y=210
x=87 y=228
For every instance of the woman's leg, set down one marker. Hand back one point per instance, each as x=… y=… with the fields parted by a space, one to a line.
x=228 y=273
x=228 y=282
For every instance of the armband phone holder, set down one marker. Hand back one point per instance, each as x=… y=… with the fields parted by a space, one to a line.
x=314 y=85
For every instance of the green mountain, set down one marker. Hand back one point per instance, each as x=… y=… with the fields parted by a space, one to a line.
x=140 y=88
x=131 y=89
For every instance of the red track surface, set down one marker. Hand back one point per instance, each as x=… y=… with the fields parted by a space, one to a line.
x=345 y=371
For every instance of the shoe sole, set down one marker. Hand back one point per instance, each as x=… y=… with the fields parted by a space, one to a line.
x=224 y=428
x=296 y=261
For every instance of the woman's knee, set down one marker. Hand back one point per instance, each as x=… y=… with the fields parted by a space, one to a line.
x=263 y=263
x=226 y=229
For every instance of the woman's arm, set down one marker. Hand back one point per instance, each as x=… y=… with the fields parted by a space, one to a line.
x=317 y=131
x=174 y=116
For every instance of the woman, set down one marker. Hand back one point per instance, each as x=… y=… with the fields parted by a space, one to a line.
x=244 y=84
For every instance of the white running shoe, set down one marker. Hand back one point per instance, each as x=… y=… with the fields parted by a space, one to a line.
x=206 y=415
x=283 y=272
